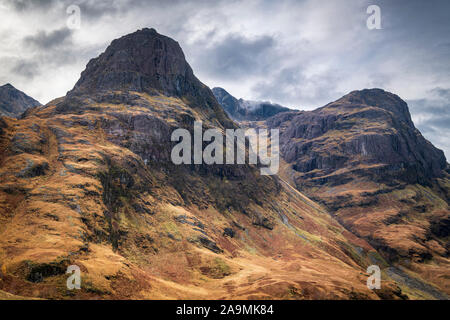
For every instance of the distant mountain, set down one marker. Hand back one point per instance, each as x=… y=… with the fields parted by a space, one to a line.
x=245 y=110
x=14 y=102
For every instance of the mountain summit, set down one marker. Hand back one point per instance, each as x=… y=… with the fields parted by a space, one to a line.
x=14 y=102
x=144 y=61
x=377 y=98
x=362 y=132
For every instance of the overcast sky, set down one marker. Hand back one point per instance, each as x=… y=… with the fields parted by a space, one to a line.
x=299 y=53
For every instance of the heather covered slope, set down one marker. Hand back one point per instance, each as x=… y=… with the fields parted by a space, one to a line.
x=14 y=102
x=362 y=157
x=87 y=180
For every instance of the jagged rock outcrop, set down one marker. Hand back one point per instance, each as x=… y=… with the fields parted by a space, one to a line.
x=143 y=61
x=146 y=62
x=368 y=132
x=244 y=110
x=14 y=102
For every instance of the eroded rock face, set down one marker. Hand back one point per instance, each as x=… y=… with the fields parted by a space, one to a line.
x=140 y=61
x=148 y=62
x=369 y=130
x=226 y=100
x=14 y=102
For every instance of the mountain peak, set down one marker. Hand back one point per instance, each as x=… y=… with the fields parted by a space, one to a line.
x=143 y=61
x=376 y=98
x=220 y=91
x=363 y=128
x=14 y=102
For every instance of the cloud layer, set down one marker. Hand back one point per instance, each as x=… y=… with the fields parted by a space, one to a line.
x=293 y=52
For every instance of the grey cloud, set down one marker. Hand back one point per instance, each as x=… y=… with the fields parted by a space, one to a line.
x=26 y=69
x=441 y=93
x=46 y=40
x=94 y=9
x=236 y=57
x=23 y=5
x=90 y=9
x=291 y=84
x=432 y=117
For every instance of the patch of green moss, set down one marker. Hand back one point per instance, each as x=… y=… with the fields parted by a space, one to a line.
x=218 y=269
x=376 y=258
x=309 y=237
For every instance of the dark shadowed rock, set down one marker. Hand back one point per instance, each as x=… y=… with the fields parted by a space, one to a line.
x=14 y=102
x=146 y=62
x=141 y=61
x=227 y=101
x=368 y=132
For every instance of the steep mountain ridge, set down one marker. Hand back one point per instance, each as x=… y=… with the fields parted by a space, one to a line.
x=14 y=102
x=87 y=180
x=362 y=157
x=371 y=128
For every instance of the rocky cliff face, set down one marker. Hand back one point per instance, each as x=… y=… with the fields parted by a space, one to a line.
x=362 y=157
x=368 y=131
x=87 y=180
x=244 y=110
x=14 y=102
x=146 y=62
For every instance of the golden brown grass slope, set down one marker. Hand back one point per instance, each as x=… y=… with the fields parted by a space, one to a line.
x=90 y=184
